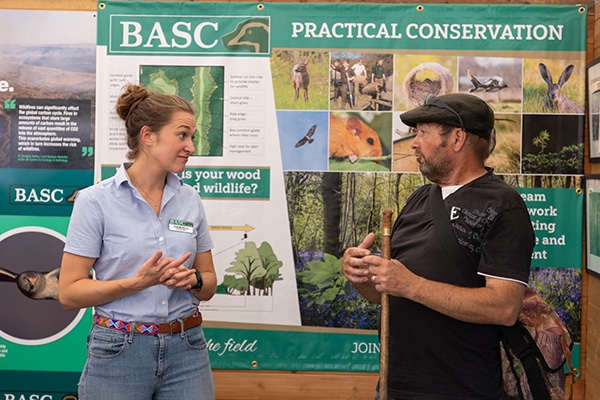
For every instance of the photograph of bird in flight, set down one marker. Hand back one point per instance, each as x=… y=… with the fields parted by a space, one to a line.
x=489 y=84
x=308 y=137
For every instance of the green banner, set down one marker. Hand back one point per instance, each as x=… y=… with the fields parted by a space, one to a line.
x=320 y=350
x=222 y=183
x=557 y=219
x=186 y=35
x=229 y=183
x=275 y=126
x=27 y=191
x=129 y=28
x=38 y=385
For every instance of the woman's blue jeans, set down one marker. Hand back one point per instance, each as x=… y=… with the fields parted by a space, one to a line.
x=125 y=365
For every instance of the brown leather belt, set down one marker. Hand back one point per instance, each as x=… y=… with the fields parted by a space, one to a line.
x=149 y=328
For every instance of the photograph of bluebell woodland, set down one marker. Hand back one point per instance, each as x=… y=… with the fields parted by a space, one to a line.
x=329 y=212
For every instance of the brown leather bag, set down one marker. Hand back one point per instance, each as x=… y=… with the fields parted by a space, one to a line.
x=552 y=346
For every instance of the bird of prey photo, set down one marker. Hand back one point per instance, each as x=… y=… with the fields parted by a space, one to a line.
x=308 y=137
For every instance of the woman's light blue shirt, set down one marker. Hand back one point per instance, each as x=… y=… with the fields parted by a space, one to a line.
x=113 y=223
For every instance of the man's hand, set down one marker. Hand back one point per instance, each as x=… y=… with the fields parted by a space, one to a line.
x=353 y=266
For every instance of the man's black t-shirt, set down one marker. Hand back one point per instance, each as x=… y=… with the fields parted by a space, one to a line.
x=433 y=356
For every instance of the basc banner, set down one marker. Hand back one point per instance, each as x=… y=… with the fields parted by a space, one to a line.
x=286 y=182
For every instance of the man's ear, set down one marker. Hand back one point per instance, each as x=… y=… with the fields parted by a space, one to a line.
x=459 y=138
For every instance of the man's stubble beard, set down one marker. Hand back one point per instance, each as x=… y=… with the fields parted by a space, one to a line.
x=436 y=168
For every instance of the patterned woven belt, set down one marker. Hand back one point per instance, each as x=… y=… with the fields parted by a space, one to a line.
x=151 y=329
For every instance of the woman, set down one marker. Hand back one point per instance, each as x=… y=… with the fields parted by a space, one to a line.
x=145 y=235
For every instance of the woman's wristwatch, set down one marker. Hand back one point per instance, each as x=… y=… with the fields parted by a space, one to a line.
x=198 y=286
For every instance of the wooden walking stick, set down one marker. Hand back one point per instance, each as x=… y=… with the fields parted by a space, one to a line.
x=386 y=252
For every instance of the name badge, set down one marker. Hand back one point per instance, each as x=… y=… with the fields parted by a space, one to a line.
x=178 y=225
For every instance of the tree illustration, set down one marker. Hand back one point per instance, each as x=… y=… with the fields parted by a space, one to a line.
x=233 y=284
x=257 y=268
x=271 y=266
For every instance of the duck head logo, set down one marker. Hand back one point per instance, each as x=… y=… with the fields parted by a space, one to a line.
x=251 y=35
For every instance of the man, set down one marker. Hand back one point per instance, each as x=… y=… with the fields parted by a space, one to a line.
x=360 y=73
x=350 y=82
x=378 y=73
x=443 y=335
x=359 y=68
x=339 y=81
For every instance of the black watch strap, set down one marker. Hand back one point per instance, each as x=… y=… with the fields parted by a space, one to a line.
x=199 y=282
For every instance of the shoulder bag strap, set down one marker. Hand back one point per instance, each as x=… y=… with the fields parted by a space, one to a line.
x=445 y=232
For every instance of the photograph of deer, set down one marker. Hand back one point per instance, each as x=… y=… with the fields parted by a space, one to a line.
x=300 y=79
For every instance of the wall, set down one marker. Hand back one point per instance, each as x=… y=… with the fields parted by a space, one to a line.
x=592 y=300
x=291 y=385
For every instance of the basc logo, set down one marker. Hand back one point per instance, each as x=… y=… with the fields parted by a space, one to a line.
x=42 y=195
x=34 y=396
